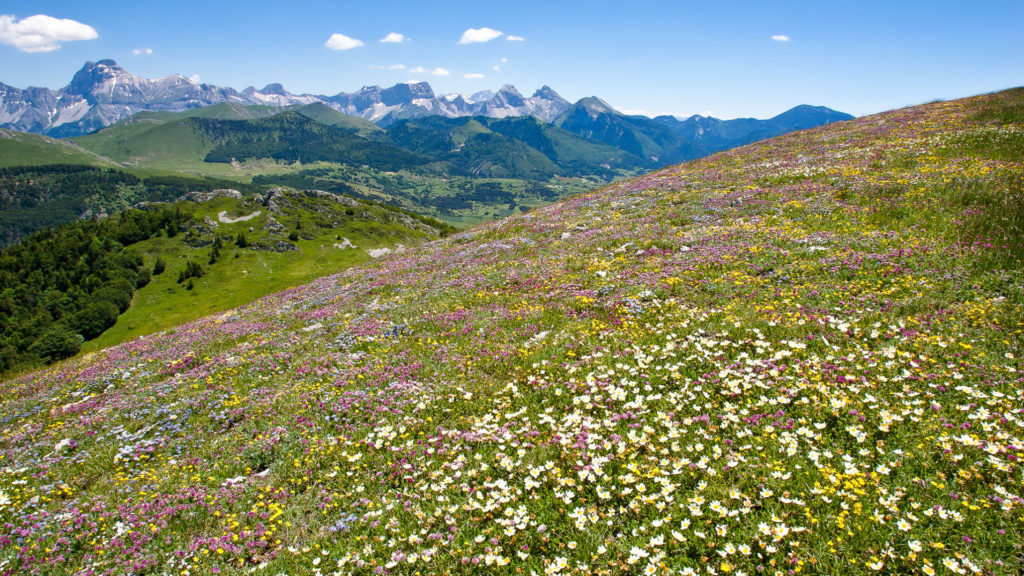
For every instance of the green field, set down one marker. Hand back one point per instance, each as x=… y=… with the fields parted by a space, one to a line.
x=242 y=275
x=22 y=149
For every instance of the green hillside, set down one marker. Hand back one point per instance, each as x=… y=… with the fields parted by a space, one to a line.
x=573 y=154
x=171 y=263
x=299 y=237
x=522 y=147
x=34 y=198
x=22 y=149
x=174 y=141
x=802 y=356
x=595 y=120
x=148 y=142
x=330 y=117
x=471 y=148
x=292 y=137
x=315 y=147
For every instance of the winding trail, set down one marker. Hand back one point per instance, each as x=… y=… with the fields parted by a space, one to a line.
x=222 y=216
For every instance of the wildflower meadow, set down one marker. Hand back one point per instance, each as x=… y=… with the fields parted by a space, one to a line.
x=802 y=356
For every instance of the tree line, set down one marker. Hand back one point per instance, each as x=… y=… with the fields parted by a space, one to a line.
x=60 y=287
x=34 y=198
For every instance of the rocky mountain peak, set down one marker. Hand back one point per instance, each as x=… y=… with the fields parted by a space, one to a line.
x=595 y=106
x=509 y=96
x=93 y=74
x=406 y=93
x=274 y=88
x=547 y=93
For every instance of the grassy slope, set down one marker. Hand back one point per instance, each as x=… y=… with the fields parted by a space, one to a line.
x=329 y=116
x=168 y=141
x=164 y=143
x=23 y=149
x=168 y=145
x=242 y=275
x=804 y=354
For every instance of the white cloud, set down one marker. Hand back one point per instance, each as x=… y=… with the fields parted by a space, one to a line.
x=473 y=75
x=194 y=78
x=141 y=51
x=633 y=111
x=497 y=68
x=515 y=39
x=342 y=42
x=474 y=35
x=396 y=67
x=440 y=72
x=393 y=38
x=41 y=33
x=417 y=70
x=780 y=38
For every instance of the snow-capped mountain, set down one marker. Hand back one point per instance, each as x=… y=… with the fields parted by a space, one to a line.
x=545 y=104
x=386 y=105
x=102 y=93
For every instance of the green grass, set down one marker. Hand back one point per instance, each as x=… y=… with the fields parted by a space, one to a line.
x=242 y=275
x=22 y=149
x=730 y=368
x=331 y=117
x=160 y=142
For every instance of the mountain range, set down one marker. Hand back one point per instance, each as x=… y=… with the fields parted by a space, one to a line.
x=103 y=93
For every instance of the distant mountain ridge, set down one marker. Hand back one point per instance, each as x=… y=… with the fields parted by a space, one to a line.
x=668 y=140
x=103 y=93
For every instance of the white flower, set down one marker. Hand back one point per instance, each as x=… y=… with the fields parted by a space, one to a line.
x=952 y=564
x=636 y=554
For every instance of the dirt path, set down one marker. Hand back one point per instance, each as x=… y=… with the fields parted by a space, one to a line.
x=223 y=217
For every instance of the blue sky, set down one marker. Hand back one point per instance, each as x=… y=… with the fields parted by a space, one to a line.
x=643 y=56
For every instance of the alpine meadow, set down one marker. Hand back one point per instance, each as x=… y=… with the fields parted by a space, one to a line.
x=397 y=332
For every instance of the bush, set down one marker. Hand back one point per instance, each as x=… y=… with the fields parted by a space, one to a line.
x=118 y=292
x=159 y=266
x=192 y=270
x=96 y=317
x=57 y=343
x=143 y=277
x=215 y=251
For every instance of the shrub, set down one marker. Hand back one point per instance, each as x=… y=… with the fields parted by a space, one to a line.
x=59 y=342
x=96 y=317
x=115 y=295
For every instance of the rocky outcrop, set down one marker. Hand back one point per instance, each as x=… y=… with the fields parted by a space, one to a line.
x=207 y=196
